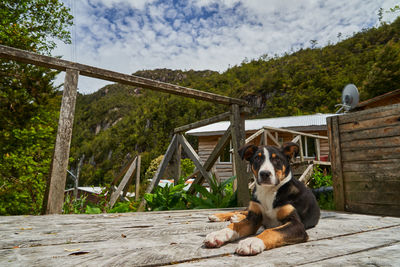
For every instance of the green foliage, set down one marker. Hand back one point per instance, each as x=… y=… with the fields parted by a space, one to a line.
x=122 y=207
x=28 y=102
x=74 y=206
x=151 y=170
x=132 y=120
x=221 y=195
x=187 y=167
x=169 y=197
x=322 y=179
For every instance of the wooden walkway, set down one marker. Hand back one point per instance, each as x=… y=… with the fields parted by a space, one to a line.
x=164 y=238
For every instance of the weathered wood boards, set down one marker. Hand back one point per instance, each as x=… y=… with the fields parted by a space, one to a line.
x=54 y=197
x=365 y=152
x=63 y=65
x=161 y=238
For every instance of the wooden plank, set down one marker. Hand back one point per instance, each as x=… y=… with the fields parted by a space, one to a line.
x=376 y=165
x=371 y=154
x=62 y=65
x=137 y=185
x=373 y=197
x=54 y=196
x=383 y=142
x=370 y=114
x=301 y=150
x=193 y=156
x=161 y=169
x=366 y=186
x=254 y=136
x=296 y=139
x=222 y=142
x=201 y=123
x=357 y=125
x=375 y=208
x=336 y=161
x=273 y=138
x=175 y=164
x=158 y=238
x=372 y=175
x=317 y=148
x=389 y=131
x=238 y=140
x=306 y=176
x=121 y=186
x=294 y=132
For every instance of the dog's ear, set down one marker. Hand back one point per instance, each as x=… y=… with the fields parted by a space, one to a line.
x=290 y=149
x=247 y=151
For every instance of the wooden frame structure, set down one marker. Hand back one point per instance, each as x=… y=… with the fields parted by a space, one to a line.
x=234 y=133
x=54 y=196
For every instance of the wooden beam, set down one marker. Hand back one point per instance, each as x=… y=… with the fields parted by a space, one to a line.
x=254 y=136
x=336 y=162
x=318 y=149
x=295 y=132
x=161 y=169
x=62 y=65
x=306 y=176
x=218 y=149
x=176 y=163
x=137 y=185
x=217 y=118
x=193 y=156
x=272 y=138
x=238 y=140
x=301 y=149
x=296 y=139
x=54 y=197
x=122 y=184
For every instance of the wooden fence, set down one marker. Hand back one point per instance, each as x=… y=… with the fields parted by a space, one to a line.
x=365 y=156
x=54 y=196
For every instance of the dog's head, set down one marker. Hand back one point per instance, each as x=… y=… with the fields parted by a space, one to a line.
x=270 y=165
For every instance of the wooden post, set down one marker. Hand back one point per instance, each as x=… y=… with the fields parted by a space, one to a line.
x=121 y=186
x=301 y=149
x=176 y=163
x=317 y=149
x=161 y=169
x=238 y=140
x=54 y=196
x=336 y=162
x=137 y=186
x=78 y=172
x=265 y=136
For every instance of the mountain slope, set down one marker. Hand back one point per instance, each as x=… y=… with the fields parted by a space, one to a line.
x=119 y=121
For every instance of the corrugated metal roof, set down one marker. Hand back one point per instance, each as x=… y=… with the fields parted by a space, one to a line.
x=281 y=122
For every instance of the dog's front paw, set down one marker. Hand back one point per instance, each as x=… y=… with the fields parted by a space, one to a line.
x=250 y=246
x=214 y=218
x=218 y=238
x=237 y=218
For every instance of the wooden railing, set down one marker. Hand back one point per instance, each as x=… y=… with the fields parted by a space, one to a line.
x=54 y=196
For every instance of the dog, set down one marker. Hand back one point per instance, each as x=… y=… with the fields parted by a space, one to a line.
x=280 y=203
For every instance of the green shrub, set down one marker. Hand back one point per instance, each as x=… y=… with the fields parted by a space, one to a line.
x=221 y=195
x=319 y=179
x=187 y=167
x=169 y=197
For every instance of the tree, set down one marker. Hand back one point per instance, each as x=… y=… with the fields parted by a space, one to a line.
x=28 y=102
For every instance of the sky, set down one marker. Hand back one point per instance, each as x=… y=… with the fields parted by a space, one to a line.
x=127 y=36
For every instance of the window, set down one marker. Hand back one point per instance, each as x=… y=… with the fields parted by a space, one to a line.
x=308 y=147
x=226 y=155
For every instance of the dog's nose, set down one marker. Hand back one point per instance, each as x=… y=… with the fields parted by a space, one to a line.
x=265 y=174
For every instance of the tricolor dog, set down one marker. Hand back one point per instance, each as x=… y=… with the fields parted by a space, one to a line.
x=284 y=206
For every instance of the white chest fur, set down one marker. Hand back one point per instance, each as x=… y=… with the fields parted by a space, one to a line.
x=266 y=196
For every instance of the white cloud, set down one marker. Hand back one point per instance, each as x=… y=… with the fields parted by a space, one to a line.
x=206 y=34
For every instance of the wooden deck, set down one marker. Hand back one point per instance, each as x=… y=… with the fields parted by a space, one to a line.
x=163 y=238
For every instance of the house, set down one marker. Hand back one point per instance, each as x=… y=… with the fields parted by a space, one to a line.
x=390 y=98
x=209 y=135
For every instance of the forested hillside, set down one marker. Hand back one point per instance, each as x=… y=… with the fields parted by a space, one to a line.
x=117 y=122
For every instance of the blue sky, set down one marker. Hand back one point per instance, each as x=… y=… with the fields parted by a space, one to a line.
x=127 y=36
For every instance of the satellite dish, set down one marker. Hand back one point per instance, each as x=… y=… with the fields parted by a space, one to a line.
x=350 y=98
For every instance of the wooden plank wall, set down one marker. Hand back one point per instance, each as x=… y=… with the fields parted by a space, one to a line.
x=369 y=143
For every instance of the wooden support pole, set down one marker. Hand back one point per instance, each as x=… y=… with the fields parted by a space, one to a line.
x=223 y=141
x=254 y=136
x=336 y=162
x=137 y=185
x=161 y=169
x=54 y=196
x=121 y=186
x=301 y=149
x=273 y=138
x=238 y=140
x=265 y=136
x=317 y=149
x=128 y=79
x=217 y=118
x=176 y=163
x=193 y=156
